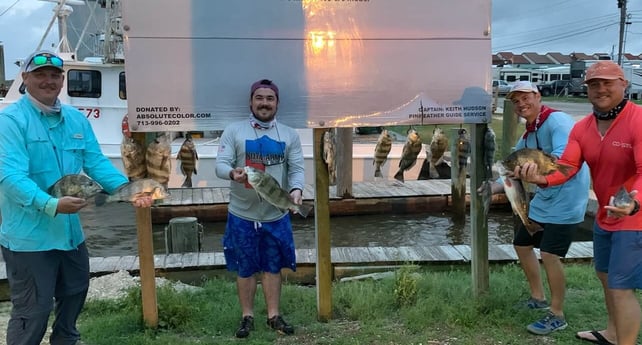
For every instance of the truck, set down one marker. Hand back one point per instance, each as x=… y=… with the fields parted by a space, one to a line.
x=561 y=88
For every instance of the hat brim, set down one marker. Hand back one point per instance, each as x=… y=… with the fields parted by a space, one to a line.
x=512 y=93
x=35 y=68
x=605 y=77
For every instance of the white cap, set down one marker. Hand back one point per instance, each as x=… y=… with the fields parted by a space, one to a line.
x=522 y=86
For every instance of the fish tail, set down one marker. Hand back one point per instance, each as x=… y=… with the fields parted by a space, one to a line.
x=304 y=210
x=564 y=169
x=377 y=172
x=399 y=175
x=188 y=182
x=101 y=198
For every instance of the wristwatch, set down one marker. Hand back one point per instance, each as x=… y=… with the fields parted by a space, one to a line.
x=636 y=208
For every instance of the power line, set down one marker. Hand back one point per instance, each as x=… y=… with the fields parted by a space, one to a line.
x=8 y=8
x=553 y=39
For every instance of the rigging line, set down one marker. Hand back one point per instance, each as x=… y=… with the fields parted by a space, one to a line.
x=561 y=37
x=8 y=8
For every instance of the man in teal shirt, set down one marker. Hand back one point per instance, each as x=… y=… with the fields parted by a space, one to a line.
x=41 y=237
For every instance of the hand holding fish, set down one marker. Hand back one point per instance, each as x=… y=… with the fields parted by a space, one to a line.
x=70 y=204
x=238 y=175
x=143 y=201
x=621 y=204
x=529 y=172
x=297 y=196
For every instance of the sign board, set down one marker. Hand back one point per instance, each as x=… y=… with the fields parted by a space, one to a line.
x=348 y=63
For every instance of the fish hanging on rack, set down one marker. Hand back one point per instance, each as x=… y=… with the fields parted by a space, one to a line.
x=463 y=151
x=158 y=159
x=411 y=150
x=132 y=154
x=188 y=157
x=438 y=146
x=382 y=149
x=489 y=152
x=330 y=155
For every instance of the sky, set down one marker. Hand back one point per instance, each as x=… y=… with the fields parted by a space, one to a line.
x=542 y=26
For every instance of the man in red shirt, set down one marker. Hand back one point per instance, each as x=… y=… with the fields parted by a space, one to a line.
x=610 y=142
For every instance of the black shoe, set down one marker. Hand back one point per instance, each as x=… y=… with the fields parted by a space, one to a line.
x=278 y=324
x=247 y=325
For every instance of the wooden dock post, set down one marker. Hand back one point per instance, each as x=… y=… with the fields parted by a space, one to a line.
x=322 y=233
x=344 y=163
x=478 y=220
x=509 y=128
x=183 y=234
x=458 y=180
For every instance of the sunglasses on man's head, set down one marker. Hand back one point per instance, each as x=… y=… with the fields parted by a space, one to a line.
x=40 y=60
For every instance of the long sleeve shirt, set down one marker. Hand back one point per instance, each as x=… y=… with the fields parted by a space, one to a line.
x=277 y=150
x=615 y=160
x=35 y=151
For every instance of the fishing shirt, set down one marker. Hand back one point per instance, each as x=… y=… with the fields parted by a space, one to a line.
x=565 y=203
x=35 y=151
x=275 y=150
x=615 y=160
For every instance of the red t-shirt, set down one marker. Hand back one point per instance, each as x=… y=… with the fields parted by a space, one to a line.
x=614 y=160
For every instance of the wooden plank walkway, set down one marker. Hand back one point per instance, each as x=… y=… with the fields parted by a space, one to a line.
x=341 y=256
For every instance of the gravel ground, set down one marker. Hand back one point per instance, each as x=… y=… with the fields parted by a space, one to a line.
x=109 y=286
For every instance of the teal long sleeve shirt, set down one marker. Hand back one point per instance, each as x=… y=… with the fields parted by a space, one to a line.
x=34 y=153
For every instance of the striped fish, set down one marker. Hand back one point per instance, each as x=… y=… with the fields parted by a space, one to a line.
x=438 y=146
x=133 y=155
x=268 y=188
x=133 y=190
x=411 y=150
x=382 y=149
x=188 y=157
x=158 y=159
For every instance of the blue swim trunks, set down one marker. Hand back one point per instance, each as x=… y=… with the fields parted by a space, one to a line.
x=251 y=247
x=618 y=253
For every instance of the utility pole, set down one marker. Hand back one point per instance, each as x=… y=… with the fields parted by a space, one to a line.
x=621 y=4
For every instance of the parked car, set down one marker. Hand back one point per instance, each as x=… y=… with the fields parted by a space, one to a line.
x=368 y=130
x=501 y=87
x=561 y=87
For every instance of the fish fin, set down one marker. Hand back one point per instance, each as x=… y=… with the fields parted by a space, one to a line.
x=195 y=171
x=399 y=175
x=532 y=227
x=188 y=182
x=101 y=198
x=304 y=210
x=378 y=173
x=564 y=169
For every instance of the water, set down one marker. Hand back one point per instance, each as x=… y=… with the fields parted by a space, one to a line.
x=111 y=231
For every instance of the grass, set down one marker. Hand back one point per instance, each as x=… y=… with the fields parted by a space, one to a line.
x=419 y=305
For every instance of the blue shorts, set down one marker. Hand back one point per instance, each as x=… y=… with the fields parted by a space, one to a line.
x=251 y=247
x=618 y=253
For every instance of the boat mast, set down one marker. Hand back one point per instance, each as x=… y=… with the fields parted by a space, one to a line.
x=113 y=44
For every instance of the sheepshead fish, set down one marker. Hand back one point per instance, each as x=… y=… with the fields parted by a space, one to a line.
x=188 y=157
x=519 y=202
x=330 y=155
x=133 y=156
x=133 y=190
x=411 y=150
x=463 y=150
x=268 y=188
x=545 y=161
x=158 y=159
x=76 y=185
x=489 y=152
x=382 y=149
x=438 y=146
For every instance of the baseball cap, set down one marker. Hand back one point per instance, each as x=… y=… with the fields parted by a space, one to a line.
x=604 y=69
x=521 y=86
x=266 y=83
x=42 y=58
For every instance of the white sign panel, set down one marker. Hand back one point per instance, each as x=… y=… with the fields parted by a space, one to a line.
x=190 y=63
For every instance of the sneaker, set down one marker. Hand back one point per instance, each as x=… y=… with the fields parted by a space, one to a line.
x=278 y=324
x=548 y=324
x=247 y=325
x=534 y=303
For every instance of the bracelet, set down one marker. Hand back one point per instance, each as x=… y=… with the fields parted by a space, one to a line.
x=636 y=208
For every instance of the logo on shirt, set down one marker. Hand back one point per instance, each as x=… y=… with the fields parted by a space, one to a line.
x=621 y=144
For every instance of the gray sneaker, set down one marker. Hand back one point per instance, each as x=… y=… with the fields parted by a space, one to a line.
x=533 y=303
x=548 y=324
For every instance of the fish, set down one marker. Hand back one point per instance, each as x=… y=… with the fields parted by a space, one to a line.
x=133 y=155
x=76 y=185
x=268 y=189
x=382 y=149
x=622 y=198
x=486 y=192
x=489 y=152
x=133 y=190
x=188 y=157
x=158 y=159
x=409 y=154
x=330 y=155
x=463 y=151
x=545 y=161
x=438 y=146
x=520 y=203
